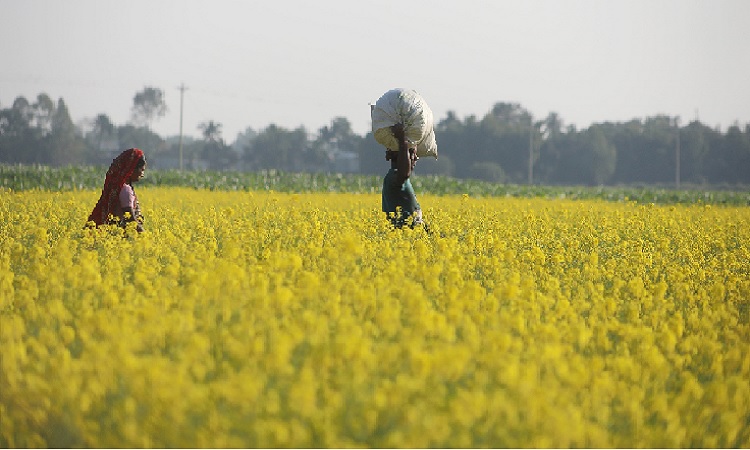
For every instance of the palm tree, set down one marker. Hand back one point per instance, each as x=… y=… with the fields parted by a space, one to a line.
x=211 y=131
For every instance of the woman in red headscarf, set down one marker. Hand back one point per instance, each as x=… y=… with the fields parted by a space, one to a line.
x=118 y=203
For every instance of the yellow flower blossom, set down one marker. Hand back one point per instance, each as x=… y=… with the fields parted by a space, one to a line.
x=241 y=319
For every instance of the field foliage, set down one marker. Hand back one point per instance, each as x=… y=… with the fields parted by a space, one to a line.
x=272 y=319
x=23 y=178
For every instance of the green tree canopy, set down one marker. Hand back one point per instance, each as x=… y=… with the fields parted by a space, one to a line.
x=216 y=153
x=277 y=148
x=103 y=127
x=148 y=105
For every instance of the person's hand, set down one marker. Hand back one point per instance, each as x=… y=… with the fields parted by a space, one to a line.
x=398 y=131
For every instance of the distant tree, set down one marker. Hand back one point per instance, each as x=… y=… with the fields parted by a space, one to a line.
x=658 y=150
x=18 y=138
x=458 y=142
x=547 y=144
x=505 y=139
x=129 y=136
x=102 y=127
x=487 y=171
x=23 y=110
x=510 y=115
x=372 y=157
x=277 y=148
x=550 y=151
x=63 y=145
x=627 y=138
x=330 y=141
x=442 y=166
x=584 y=157
x=39 y=133
x=734 y=151
x=601 y=154
x=148 y=105
x=192 y=153
x=645 y=150
x=553 y=125
x=211 y=131
x=243 y=139
x=216 y=153
x=451 y=122
x=43 y=113
x=339 y=130
x=695 y=144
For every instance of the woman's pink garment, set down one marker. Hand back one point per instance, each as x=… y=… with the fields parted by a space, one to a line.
x=127 y=200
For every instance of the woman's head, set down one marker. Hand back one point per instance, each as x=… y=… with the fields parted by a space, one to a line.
x=124 y=166
x=140 y=169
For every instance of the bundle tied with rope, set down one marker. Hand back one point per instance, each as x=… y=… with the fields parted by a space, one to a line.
x=407 y=107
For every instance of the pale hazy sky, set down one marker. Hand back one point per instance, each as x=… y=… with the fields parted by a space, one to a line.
x=292 y=63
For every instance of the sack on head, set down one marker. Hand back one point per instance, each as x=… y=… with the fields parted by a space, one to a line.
x=408 y=108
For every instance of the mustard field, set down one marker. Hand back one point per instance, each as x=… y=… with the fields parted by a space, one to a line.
x=266 y=319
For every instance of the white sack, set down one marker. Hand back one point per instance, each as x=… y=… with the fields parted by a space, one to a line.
x=408 y=108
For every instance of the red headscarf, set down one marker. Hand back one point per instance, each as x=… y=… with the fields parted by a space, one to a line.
x=118 y=174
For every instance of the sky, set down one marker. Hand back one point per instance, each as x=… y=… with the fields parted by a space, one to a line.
x=303 y=63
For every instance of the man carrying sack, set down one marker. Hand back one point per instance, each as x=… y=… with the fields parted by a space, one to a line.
x=402 y=122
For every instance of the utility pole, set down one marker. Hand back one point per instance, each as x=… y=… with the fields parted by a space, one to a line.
x=531 y=149
x=677 y=152
x=182 y=89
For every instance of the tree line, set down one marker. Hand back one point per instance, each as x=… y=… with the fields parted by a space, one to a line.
x=507 y=145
